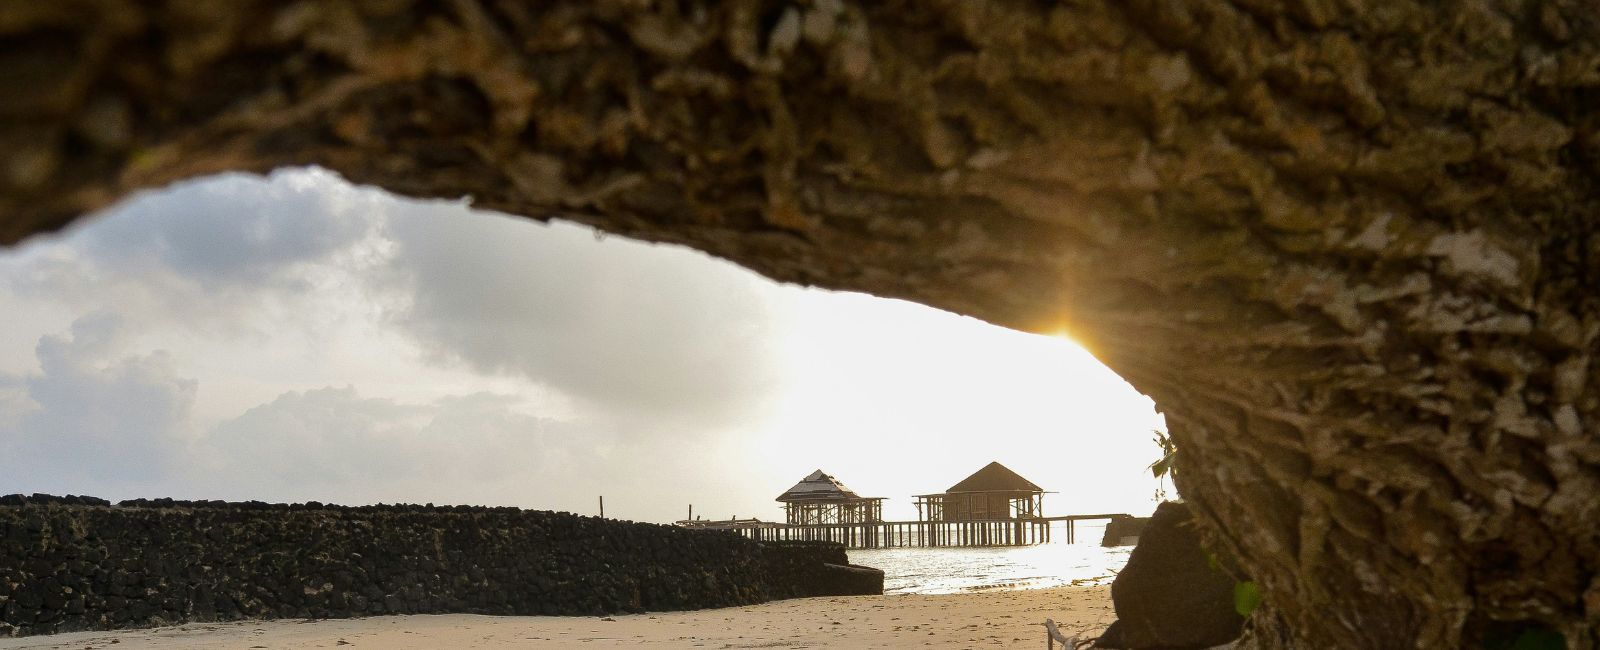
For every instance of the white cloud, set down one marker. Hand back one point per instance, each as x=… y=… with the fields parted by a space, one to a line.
x=232 y=258
x=333 y=444
x=93 y=418
x=638 y=332
x=234 y=232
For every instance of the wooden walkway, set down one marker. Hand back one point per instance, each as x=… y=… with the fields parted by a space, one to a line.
x=896 y=534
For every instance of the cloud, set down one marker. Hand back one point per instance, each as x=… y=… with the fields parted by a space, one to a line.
x=334 y=440
x=99 y=419
x=334 y=444
x=220 y=254
x=234 y=230
x=483 y=358
x=638 y=332
x=647 y=337
x=93 y=417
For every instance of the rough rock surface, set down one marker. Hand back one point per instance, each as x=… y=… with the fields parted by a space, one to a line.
x=76 y=563
x=1171 y=595
x=1349 y=248
x=1122 y=528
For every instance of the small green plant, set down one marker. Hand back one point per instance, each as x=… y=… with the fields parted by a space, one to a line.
x=1246 y=597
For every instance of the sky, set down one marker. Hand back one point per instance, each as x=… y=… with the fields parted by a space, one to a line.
x=295 y=337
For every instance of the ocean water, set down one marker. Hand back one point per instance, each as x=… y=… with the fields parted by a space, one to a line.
x=961 y=570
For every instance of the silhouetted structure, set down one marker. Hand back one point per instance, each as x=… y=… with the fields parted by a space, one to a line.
x=994 y=492
x=994 y=507
x=821 y=499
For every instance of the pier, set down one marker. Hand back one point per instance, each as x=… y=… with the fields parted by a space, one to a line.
x=903 y=534
x=993 y=507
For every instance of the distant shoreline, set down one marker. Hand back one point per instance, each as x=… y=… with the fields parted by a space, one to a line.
x=894 y=621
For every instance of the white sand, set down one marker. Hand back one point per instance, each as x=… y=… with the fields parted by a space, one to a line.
x=1001 y=618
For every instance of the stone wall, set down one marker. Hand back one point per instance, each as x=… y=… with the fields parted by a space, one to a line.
x=805 y=569
x=77 y=563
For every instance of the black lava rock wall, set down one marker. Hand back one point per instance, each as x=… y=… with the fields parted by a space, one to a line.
x=78 y=563
x=805 y=569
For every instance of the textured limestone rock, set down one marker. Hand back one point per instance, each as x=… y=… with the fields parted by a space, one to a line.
x=1348 y=248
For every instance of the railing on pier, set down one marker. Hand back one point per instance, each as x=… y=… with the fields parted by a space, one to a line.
x=892 y=534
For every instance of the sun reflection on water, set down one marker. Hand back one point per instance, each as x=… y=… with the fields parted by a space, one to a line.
x=966 y=570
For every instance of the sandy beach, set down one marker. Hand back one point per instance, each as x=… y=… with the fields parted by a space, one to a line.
x=995 y=618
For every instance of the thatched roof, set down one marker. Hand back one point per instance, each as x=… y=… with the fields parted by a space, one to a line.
x=818 y=487
x=995 y=477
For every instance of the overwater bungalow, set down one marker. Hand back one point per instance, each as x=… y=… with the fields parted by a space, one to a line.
x=993 y=507
x=820 y=499
x=994 y=492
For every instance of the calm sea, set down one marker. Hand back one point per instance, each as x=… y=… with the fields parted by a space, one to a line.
x=958 y=570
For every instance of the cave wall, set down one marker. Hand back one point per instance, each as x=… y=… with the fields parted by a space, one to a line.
x=71 y=564
x=1349 y=248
